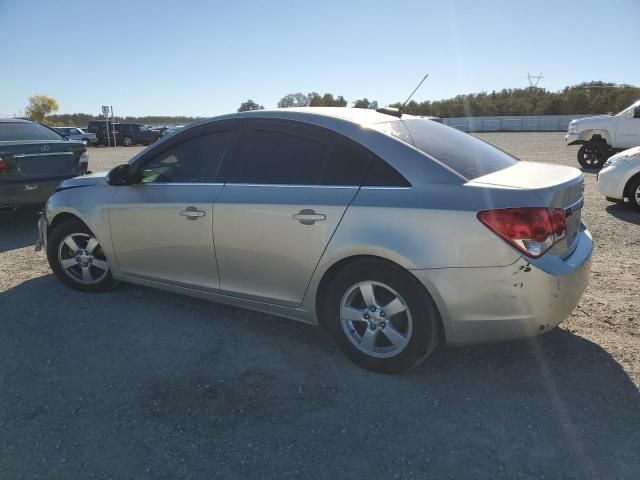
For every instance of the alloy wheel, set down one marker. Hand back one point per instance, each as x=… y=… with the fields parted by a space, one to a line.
x=376 y=319
x=82 y=258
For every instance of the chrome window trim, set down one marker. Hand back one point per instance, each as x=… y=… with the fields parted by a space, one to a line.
x=289 y=185
x=29 y=155
x=179 y=184
x=279 y=185
x=383 y=187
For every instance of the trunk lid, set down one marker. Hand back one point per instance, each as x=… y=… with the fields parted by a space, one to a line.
x=557 y=186
x=40 y=159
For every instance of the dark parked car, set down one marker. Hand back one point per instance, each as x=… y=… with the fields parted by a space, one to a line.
x=34 y=159
x=99 y=128
x=126 y=133
x=134 y=133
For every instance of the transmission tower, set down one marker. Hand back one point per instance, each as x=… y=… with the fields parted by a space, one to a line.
x=534 y=80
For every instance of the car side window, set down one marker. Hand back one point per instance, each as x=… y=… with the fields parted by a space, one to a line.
x=274 y=156
x=346 y=164
x=195 y=160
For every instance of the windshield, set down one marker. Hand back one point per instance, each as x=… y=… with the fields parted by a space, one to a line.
x=461 y=152
x=633 y=105
x=26 y=131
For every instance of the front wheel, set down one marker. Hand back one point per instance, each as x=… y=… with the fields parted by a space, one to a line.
x=592 y=155
x=381 y=316
x=127 y=141
x=77 y=259
x=634 y=192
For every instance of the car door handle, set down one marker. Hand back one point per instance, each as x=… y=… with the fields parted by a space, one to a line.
x=192 y=213
x=308 y=216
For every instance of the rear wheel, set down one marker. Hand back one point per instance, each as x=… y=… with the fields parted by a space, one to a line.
x=381 y=316
x=127 y=141
x=634 y=192
x=593 y=154
x=77 y=259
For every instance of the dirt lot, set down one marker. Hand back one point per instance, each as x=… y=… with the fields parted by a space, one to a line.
x=142 y=384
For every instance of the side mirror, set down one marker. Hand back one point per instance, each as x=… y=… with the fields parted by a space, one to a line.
x=120 y=175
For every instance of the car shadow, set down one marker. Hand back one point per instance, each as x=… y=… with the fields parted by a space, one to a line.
x=589 y=171
x=18 y=229
x=624 y=212
x=149 y=375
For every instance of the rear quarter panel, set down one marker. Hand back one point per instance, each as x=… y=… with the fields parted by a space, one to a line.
x=422 y=227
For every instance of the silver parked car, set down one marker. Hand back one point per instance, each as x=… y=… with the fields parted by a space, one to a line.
x=75 y=133
x=395 y=233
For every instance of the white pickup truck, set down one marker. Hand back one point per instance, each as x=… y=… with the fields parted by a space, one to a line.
x=603 y=135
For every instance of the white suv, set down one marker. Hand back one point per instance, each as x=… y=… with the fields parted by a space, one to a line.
x=603 y=135
x=619 y=180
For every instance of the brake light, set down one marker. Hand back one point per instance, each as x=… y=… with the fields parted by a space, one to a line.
x=533 y=231
x=83 y=161
x=4 y=166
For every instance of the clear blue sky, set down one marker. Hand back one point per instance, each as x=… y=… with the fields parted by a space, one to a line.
x=205 y=57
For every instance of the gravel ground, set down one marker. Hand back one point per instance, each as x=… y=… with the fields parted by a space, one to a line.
x=144 y=384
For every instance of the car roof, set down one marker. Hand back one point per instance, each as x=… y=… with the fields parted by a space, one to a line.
x=359 y=116
x=15 y=120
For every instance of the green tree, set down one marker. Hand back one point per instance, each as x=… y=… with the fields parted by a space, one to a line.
x=249 y=105
x=39 y=107
x=312 y=99
x=296 y=100
x=365 y=103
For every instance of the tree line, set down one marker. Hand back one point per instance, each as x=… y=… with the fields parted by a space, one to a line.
x=585 y=98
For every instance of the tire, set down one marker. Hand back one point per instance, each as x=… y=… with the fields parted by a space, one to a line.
x=593 y=155
x=86 y=269
x=633 y=191
x=365 y=334
x=127 y=141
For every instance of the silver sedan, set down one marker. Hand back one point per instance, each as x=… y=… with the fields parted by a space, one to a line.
x=395 y=233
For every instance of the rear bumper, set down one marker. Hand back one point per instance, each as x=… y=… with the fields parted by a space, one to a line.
x=502 y=303
x=28 y=193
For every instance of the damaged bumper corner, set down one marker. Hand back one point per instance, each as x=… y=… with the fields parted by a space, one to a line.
x=521 y=300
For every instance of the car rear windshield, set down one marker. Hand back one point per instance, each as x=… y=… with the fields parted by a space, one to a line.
x=467 y=155
x=26 y=131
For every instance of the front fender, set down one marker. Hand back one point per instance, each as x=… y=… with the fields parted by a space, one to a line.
x=588 y=135
x=91 y=206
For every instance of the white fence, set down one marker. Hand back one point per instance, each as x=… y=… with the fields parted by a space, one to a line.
x=529 y=123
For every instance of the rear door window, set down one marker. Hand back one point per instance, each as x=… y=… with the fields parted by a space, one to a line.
x=278 y=154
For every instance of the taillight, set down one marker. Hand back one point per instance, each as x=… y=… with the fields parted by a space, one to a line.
x=4 y=166
x=83 y=161
x=533 y=231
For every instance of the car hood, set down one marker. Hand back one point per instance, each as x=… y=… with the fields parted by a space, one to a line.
x=593 y=121
x=85 y=180
x=631 y=154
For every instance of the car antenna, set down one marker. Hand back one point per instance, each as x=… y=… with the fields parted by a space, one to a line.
x=397 y=112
